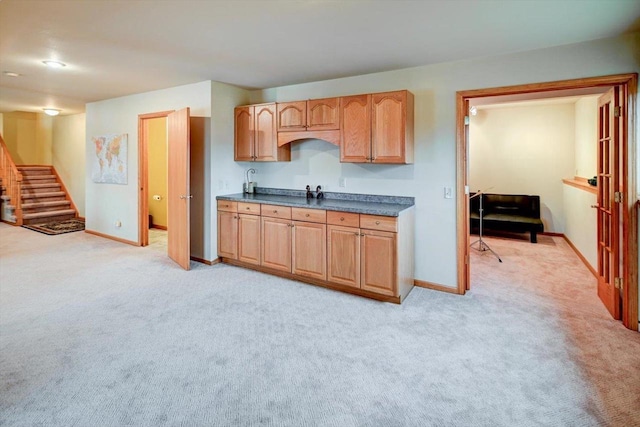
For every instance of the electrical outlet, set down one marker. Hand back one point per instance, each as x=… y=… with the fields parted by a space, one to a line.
x=342 y=182
x=118 y=224
x=448 y=193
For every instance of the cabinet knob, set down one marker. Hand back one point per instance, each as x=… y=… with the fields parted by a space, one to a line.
x=275 y=211
x=362 y=234
x=377 y=222
x=248 y=208
x=307 y=215
x=341 y=218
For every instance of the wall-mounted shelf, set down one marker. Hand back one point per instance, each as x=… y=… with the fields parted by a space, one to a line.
x=581 y=183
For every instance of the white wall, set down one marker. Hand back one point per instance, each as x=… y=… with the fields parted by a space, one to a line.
x=226 y=175
x=434 y=87
x=580 y=219
x=524 y=149
x=108 y=203
x=586 y=136
x=68 y=155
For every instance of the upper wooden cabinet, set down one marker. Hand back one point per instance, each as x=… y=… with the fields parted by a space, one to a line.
x=377 y=128
x=369 y=128
x=312 y=115
x=256 y=137
x=292 y=116
x=355 y=141
x=323 y=114
x=392 y=127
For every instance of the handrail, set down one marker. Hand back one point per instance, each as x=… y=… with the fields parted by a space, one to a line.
x=11 y=179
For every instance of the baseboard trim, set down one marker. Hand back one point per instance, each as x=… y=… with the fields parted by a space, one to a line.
x=204 y=261
x=159 y=227
x=435 y=287
x=551 y=233
x=584 y=260
x=107 y=236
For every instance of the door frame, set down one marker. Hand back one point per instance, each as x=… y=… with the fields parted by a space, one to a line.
x=143 y=175
x=628 y=84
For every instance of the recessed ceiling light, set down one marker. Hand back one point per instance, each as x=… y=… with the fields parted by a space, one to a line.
x=51 y=111
x=54 y=64
x=11 y=74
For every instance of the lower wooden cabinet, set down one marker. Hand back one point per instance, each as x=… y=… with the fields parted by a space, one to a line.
x=276 y=243
x=364 y=259
x=365 y=254
x=249 y=238
x=228 y=234
x=309 y=249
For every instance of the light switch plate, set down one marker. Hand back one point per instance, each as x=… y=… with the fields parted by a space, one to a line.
x=448 y=193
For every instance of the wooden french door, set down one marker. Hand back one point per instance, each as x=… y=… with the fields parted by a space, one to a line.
x=608 y=207
x=178 y=188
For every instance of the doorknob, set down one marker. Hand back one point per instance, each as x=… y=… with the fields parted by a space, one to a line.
x=187 y=197
x=595 y=206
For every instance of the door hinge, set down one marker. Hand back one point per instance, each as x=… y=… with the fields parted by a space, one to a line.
x=617 y=196
x=617 y=111
x=618 y=283
x=466 y=120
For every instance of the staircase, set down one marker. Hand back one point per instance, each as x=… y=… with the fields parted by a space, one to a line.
x=44 y=197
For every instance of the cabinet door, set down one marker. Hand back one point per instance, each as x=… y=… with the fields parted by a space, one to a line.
x=292 y=116
x=249 y=238
x=309 y=249
x=323 y=114
x=343 y=255
x=378 y=264
x=275 y=247
x=355 y=133
x=243 y=133
x=228 y=234
x=388 y=118
x=265 y=134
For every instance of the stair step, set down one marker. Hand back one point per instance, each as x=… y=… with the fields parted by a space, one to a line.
x=43 y=205
x=48 y=214
x=40 y=185
x=43 y=195
x=34 y=170
x=39 y=177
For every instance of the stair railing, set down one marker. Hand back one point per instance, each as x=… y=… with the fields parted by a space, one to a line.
x=11 y=180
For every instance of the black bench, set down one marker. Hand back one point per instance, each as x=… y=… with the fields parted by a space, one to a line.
x=507 y=212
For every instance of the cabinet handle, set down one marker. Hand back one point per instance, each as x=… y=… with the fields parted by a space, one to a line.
x=275 y=211
x=362 y=234
x=341 y=218
x=307 y=215
x=356 y=234
x=235 y=217
x=377 y=222
x=248 y=208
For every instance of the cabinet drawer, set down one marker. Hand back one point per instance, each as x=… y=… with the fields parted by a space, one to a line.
x=249 y=208
x=376 y=222
x=311 y=215
x=226 y=205
x=347 y=219
x=274 y=211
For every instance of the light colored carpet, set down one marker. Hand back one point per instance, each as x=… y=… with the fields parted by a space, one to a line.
x=93 y=332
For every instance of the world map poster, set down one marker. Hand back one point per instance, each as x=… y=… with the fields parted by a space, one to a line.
x=110 y=160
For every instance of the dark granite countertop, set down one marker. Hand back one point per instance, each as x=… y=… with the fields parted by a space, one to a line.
x=344 y=202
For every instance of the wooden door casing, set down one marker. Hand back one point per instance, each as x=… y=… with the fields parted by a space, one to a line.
x=228 y=234
x=343 y=255
x=249 y=238
x=378 y=261
x=244 y=133
x=309 y=250
x=275 y=245
x=355 y=133
x=178 y=188
x=608 y=216
x=323 y=114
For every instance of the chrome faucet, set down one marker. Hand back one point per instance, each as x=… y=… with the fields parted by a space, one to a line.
x=247 y=187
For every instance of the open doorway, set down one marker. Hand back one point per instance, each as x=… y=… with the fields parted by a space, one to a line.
x=625 y=90
x=156 y=131
x=178 y=182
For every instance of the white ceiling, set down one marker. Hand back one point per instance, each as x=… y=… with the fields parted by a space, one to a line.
x=114 y=48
